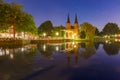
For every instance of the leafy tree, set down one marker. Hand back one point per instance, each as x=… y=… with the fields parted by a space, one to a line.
x=1 y=1
x=45 y=27
x=13 y=15
x=58 y=29
x=82 y=35
x=110 y=28
x=4 y=15
x=101 y=33
x=89 y=30
x=97 y=33
x=27 y=24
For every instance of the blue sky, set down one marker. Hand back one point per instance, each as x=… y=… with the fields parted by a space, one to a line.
x=96 y=12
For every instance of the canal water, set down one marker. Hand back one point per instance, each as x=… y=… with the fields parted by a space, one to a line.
x=61 y=61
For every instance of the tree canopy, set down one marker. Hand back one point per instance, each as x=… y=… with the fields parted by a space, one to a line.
x=45 y=27
x=97 y=33
x=12 y=14
x=110 y=28
x=88 y=30
x=58 y=29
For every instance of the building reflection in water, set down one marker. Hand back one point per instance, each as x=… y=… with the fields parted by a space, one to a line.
x=79 y=50
x=73 y=50
x=23 y=60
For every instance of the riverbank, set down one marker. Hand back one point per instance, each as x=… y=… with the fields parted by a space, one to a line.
x=16 y=43
x=13 y=43
x=58 y=41
x=102 y=39
x=24 y=42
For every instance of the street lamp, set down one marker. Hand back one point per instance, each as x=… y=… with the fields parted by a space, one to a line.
x=57 y=33
x=44 y=34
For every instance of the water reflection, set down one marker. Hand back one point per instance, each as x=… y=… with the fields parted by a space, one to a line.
x=112 y=48
x=88 y=50
x=72 y=59
x=84 y=50
x=12 y=51
x=72 y=49
x=76 y=49
x=96 y=44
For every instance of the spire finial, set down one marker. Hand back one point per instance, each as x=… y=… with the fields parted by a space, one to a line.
x=76 y=20
x=68 y=19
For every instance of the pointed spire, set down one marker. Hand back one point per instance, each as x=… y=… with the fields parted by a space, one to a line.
x=68 y=19
x=76 y=20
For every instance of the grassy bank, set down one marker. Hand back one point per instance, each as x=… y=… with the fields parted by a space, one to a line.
x=58 y=41
x=101 y=39
x=19 y=43
x=13 y=43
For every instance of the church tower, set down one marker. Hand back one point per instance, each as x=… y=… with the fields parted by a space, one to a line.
x=71 y=32
x=68 y=25
x=76 y=22
x=76 y=25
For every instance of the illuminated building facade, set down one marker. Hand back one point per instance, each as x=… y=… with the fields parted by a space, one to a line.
x=71 y=32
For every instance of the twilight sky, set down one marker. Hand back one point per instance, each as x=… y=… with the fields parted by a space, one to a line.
x=96 y=12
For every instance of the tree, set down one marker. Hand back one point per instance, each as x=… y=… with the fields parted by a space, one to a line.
x=97 y=33
x=28 y=24
x=89 y=30
x=58 y=29
x=101 y=33
x=13 y=15
x=82 y=35
x=4 y=15
x=10 y=14
x=110 y=28
x=1 y=1
x=45 y=27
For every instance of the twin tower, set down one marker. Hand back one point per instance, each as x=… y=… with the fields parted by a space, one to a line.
x=72 y=31
x=68 y=24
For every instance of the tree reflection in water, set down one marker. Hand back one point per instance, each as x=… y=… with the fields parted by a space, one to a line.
x=111 y=48
x=16 y=62
x=45 y=50
x=96 y=44
x=25 y=60
x=88 y=51
x=85 y=50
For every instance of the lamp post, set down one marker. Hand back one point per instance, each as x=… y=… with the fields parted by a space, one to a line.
x=57 y=34
x=44 y=34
